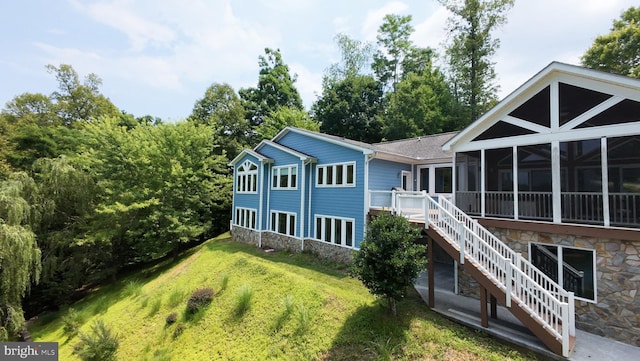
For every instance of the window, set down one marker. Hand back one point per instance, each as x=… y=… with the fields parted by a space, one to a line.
x=443 y=180
x=246 y=217
x=247 y=178
x=283 y=222
x=335 y=230
x=336 y=175
x=285 y=177
x=573 y=268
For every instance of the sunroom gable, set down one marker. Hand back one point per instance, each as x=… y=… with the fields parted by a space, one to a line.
x=561 y=102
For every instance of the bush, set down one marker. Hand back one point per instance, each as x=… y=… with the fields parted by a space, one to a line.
x=171 y=318
x=72 y=322
x=178 y=331
x=389 y=260
x=199 y=299
x=99 y=345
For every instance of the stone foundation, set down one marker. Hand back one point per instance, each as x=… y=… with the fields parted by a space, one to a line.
x=328 y=251
x=617 y=312
x=245 y=235
x=283 y=242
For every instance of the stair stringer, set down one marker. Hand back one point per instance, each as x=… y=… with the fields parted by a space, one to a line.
x=527 y=318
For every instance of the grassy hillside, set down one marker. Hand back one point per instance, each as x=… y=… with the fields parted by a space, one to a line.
x=299 y=308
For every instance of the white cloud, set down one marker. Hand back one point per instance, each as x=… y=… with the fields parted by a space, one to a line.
x=309 y=83
x=431 y=32
x=119 y=15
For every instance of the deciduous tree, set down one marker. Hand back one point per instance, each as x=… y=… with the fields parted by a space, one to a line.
x=351 y=108
x=470 y=49
x=275 y=89
x=222 y=109
x=619 y=51
x=285 y=117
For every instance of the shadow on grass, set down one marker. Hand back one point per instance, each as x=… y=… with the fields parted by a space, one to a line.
x=305 y=260
x=373 y=333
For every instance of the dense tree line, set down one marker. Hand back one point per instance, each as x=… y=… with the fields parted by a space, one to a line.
x=87 y=190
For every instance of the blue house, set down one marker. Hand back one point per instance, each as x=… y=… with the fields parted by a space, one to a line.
x=305 y=190
x=536 y=203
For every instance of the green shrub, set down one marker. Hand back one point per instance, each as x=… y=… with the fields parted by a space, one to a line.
x=171 y=318
x=199 y=299
x=99 y=345
x=178 y=331
x=72 y=322
x=243 y=299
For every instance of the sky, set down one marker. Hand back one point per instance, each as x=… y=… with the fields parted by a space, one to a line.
x=158 y=57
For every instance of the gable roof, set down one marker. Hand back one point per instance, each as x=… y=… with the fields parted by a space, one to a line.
x=244 y=152
x=341 y=141
x=295 y=153
x=617 y=85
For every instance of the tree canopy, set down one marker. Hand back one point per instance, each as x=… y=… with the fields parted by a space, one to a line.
x=351 y=108
x=619 y=51
x=469 y=51
x=275 y=89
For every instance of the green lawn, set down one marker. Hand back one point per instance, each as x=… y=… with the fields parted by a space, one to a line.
x=275 y=305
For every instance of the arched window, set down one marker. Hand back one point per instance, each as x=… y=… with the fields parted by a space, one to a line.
x=247 y=178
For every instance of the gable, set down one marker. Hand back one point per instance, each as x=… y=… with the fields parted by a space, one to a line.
x=563 y=103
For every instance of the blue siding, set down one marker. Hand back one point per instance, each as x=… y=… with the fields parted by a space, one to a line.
x=284 y=200
x=384 y=175
x=346 y=202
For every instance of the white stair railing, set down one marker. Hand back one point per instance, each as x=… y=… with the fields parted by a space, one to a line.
x=523 y=283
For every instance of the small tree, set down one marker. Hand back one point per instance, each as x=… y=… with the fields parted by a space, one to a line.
x=389 y=260
x=99 y=345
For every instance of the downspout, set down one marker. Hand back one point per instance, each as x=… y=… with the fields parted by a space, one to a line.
x=309 y=203
x=260 y=218
x=302 y=189
x=233 y=201
x=367 y=159
x=268 y=220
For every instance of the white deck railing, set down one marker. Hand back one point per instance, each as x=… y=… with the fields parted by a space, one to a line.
x=523 y=283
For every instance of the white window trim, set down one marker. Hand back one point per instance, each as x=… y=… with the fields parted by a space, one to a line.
x=334 y=166
x=244 y=178
x=276 y=171
x=595 y=271
x=333 y=219
x=274 y=226
x=245 y=216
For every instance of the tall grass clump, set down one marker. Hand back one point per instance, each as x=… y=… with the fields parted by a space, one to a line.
x=132 y=288
x=175 y=297
x=224 y=282
x=243 y=299
x=289 y=306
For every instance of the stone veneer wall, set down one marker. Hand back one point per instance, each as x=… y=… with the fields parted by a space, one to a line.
x=245 y=235
x=283 y=242
x=326 y=250
x=617 y=312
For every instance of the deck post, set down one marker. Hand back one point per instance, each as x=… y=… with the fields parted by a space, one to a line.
x=484 y=320
x=494 y=307
x=431 y=274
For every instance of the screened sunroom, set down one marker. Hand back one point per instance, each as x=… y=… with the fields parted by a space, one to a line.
x=563 y=148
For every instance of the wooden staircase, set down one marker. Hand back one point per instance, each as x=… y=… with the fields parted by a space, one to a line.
x=538 y=302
